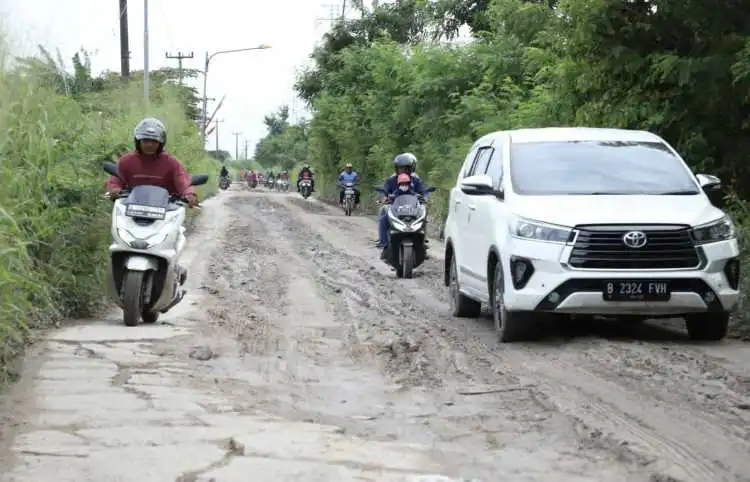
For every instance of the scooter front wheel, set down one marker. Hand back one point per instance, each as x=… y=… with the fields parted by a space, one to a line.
x=132 y=298
x=407 y=261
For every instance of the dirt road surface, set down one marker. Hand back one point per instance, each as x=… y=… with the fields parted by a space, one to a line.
x=298 y=356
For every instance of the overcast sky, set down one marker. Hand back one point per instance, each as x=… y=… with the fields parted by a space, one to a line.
x=255 y=82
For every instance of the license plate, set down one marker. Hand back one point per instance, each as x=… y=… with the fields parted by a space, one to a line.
x=349 y=192
x=637 y=290
x=148 y=212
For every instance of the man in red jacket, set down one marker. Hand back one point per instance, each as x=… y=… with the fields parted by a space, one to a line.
x=150 y=165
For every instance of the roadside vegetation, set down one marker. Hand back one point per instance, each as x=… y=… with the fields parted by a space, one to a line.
x=58 y=123
x=397 y=80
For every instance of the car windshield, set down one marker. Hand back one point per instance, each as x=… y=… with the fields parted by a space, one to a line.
x=598 y=168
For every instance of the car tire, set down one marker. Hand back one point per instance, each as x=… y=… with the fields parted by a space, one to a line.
x=510 y=325
x=707 y=326
x=461 y=305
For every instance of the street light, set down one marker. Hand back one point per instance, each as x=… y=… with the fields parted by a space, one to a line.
x=205 y=79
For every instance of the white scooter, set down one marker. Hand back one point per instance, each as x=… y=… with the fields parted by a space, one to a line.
x=145 y=277
x=282 y=185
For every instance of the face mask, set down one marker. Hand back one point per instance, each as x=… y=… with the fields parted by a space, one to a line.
x=403 y=187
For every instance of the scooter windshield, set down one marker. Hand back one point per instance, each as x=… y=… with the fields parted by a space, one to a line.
x=406 y=206
x=147 y=202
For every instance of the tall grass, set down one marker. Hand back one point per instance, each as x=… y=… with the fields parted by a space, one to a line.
x=54 y=224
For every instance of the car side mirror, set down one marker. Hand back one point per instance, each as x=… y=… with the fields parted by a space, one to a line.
x=479 y=185
x=713 y=188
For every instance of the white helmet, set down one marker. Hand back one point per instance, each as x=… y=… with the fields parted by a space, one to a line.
x=150 y=129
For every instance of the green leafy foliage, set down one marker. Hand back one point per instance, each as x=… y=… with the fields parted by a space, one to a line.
x=285 y=146
x=58 y=127
x=384 y=83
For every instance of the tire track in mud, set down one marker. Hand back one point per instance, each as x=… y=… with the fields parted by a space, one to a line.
x=356 y=350
x=682 y=411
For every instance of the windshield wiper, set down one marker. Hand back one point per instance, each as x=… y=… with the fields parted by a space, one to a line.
x=605 y=193
x=677 y=193
x=635 y=193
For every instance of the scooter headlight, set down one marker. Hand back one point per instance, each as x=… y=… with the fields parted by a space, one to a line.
x=142 y=243
x=125 y=236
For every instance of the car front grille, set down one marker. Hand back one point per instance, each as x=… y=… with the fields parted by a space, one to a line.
x=602 y=247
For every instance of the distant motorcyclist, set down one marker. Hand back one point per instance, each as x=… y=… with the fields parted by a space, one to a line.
x=270 y=179
x=224 y=172
x=301 y=174
x=404 y=164
x=252 y=178
x=150 y=165
x=348 y=175
x=284 y=176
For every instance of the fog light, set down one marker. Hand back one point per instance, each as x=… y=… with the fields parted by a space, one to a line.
x=732 y=272
x=554 y=297
x=521 y=270
x=709 y=297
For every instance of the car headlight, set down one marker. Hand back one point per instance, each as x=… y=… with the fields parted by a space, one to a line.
x=719 y=230
x=537 y=231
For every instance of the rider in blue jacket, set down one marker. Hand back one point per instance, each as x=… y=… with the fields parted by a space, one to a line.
x=405 y=163
x=348 y=175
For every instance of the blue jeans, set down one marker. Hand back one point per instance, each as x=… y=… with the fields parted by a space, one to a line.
x=383 y=228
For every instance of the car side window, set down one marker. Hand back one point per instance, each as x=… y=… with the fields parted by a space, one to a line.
x=481 y=162
x=468 y=164
x=495 y=167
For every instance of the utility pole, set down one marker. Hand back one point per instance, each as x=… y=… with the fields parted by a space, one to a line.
x=217 y=137
x=179 y=58
x=146 y=79
x=124 y=42
x=246 y=143
x=236 y=145
x=343 y=10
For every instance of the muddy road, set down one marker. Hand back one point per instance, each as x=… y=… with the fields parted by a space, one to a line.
x=298 y=355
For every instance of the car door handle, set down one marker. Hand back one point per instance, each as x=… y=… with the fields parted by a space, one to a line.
x=471 y=207
x=457 y=202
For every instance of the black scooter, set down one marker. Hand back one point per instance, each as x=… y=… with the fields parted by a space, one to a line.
x=407 y=222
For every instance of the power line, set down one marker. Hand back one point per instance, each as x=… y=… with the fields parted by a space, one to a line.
x=179 y=58
x=333 y=15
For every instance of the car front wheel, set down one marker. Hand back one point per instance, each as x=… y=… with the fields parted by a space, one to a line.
x=510 y=325
x=707 y=326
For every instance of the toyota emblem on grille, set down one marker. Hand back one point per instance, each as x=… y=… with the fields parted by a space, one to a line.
x=635 y=239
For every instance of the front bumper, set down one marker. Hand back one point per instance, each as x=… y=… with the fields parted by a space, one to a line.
x=556 y=287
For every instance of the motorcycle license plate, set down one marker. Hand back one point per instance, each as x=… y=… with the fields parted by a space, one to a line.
x=147 y=212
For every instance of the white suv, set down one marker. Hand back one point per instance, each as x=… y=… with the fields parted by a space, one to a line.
x=584 y=221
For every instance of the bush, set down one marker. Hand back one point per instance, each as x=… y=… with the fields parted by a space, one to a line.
x=54 y=224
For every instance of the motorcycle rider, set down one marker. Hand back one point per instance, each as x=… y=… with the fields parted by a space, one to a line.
x=270 y=179
x=404 y=164
x=348 y=175
x=224 y=171
x=150 y=165
x=301 y=173
x=252 y=177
